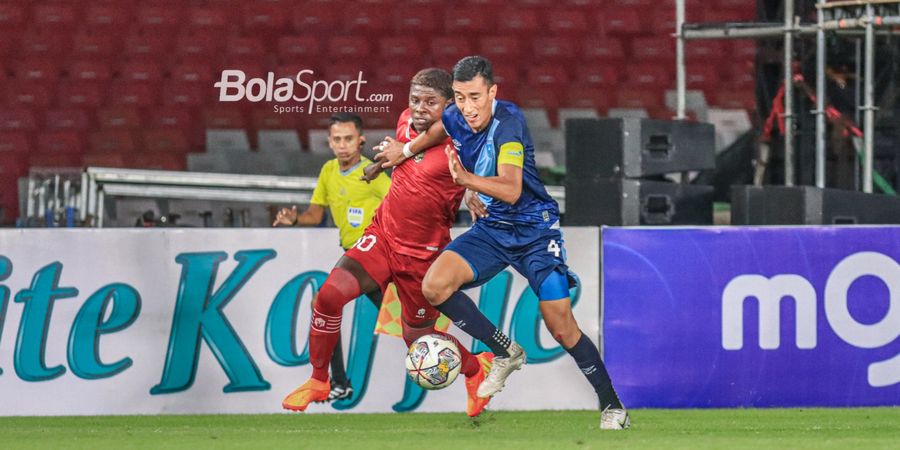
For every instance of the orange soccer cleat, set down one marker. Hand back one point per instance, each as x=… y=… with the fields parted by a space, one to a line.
x=311 y=391
x=474 y=403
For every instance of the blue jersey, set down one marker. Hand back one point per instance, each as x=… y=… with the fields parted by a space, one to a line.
x=505 y=140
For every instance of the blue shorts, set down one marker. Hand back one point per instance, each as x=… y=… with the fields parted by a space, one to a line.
x=538 y=254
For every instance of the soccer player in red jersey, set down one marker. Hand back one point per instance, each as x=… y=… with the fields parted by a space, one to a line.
x=408 y=232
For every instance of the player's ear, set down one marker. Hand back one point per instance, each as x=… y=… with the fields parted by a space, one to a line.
x=362 y=141
x=492 y=91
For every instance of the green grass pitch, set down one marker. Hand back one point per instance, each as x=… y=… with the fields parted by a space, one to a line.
x=869 y=428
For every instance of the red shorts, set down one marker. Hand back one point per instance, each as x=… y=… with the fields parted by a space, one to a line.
x=375 y=254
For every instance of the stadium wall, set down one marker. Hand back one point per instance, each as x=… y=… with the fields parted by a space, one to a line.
x=753 y=317
x=179 y=321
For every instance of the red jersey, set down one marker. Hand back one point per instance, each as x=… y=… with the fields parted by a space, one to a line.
x=422 y=203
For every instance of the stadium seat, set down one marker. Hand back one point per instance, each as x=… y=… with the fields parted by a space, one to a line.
x=54 y=160
x=108 y=16
x=278 y=140
x=89 y=70
x=402 y=48
x=192 y=72
x=185 y=94
x=44 y=43
x=703 y=77
x=118 y=160
x=14 y=142
x=165 y=140
x=140 y=71
x=543 y=97
x=653 y=50
x=227 y=141
x=60 y=142
x=567 y=22
x=94 y=45
x=119 y=117
x=148 y=45
x=604 y=50
x=367 y=19
x=631 y=98
x=618 y=22
x=37 y=69
x=12 y=15
x=296 y=49
x=30 y=93
x=242 y=45
x=394 y=74
x=171 y=118
x=649 y=76
x=734 y=99
x=83 y=94
x=598 y=75
x=54 y=15
x=318 y=142
x=262 y=18
x=705 y=52
x=518 y=21
x=412 y=20
x=554 y=75
x=266 y=119
x=743 y=49
x=112 y=141
x=201 y=45
x=209 y=17
x=587 y=96
x=663 y=22
x=76 y=119
x=536 y=118
x=134 y=93
x=344 y=72
x=499 y=48
x=468 y=21
x=229 y=116
x=160 y=19
x=314 y=18
x=345 y=47
x=159 y=161
x=450 y=48
x=554 y=48
x=18 y=119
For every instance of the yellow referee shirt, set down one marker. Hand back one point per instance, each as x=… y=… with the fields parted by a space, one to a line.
x=351 y=201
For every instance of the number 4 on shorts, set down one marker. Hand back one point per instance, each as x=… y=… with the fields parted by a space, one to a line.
x=553 y=247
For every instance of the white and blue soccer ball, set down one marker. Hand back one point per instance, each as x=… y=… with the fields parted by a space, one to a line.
x=433 y=362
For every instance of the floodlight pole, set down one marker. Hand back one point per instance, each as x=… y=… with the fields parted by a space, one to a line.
x=820 y=99
x=788 y=93
x=869 y=108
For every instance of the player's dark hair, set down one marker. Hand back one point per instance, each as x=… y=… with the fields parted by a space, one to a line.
x=346 y=118
x=438 y=79
x=471 y=66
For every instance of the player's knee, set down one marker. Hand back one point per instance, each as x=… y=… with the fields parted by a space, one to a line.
x=435 y=290
x=565 y=332
x=338 y=290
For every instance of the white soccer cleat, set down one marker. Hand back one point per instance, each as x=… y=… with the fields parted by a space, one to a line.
x=614 y=419
x=500 y=371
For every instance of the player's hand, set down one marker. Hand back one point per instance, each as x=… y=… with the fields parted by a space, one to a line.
x=457 y=171
x=371 y=172
x=475 y=205
x=390 y=152
x=286 y=217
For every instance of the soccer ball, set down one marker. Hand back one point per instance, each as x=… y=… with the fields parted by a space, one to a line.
x=433 y=362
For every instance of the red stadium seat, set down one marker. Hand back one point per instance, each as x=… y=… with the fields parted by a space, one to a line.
x=367 y=19
x=53 y=159
x=76 y=119
x=264 y=18
x=394 y=74
x=743 y=49
x=159 y=161
x=185 y=94
x=266 y=119
x=703 y=77
x=166 y=140
x=506 y=75
x=170 y=118
x=89 y=70
x=17 y=119
x=706 y=52
x=140 y=71
x=663 y=22
x=518 y=21
x=192 y=72
x=344 y=72
x=554 y=48
x=240 y=45
x=45 y=43
x=315 y=17
x=108 y=15
x=735 y=99
x=409 y=21
x=468 y=21
x=293 y=49
x=119 y=117
x=113 y=141
x=148 y=45
x=209 y=17
x=648 y=76
x=36 y=69
x=159 y=18
x=597 y=75
x=62 y=141
x=499 y=47
x=83 y=94
x=134 y=93
x=547 y=75
x=450 y=47
x=567 y=22
x=537 y=97
x=94 y=45
x=402 y=48
x=30 y=93
x=655 y=50
x=119 y=160
x=202 y=45
x=604 y=50
x=587 y=96
x=342 y=47
x=12 y=16
x=229 y=116
x=14 y=142
x=54 y=15
x=637 y=98
x=616 y=21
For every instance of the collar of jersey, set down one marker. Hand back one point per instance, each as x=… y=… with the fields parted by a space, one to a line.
x=351 y=169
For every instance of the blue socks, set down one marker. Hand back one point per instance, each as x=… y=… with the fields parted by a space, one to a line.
x=467 y=317
x=588 y=359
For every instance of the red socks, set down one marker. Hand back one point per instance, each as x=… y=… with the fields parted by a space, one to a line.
x=340 y=288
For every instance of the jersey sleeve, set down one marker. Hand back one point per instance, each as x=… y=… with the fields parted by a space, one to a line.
x=320 y=193
x=510 y=143
x=450 y=118
x=403 y=127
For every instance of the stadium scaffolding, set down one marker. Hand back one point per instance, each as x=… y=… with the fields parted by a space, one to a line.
x=842 y=16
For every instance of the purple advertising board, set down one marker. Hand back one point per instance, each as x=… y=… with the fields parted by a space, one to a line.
x=752 y=316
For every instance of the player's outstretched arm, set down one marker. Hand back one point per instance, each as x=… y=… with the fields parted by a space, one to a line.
x=506 y=186
x=391 y=152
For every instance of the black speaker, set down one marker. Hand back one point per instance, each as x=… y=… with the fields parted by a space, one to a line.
x=634 y=148
x=808 y=205
x=622 y=202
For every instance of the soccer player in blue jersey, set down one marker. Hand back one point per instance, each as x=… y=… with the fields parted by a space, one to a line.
x=493 y=156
